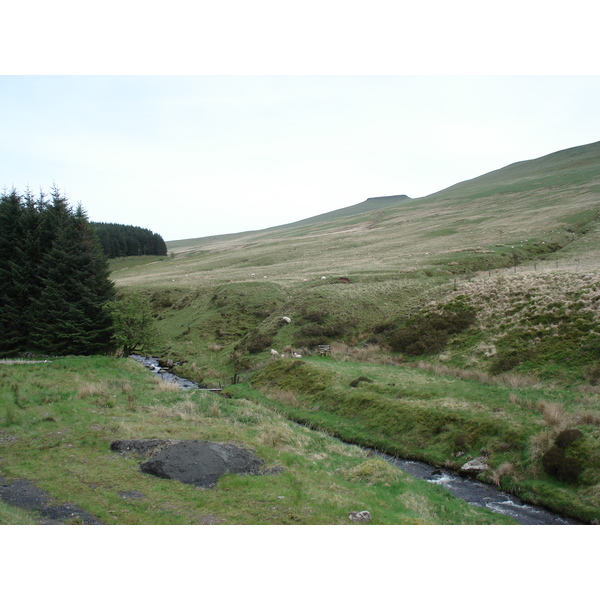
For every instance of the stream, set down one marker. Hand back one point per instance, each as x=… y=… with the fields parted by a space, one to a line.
x=474 y=492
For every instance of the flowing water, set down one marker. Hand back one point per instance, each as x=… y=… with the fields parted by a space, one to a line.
x=474 y=492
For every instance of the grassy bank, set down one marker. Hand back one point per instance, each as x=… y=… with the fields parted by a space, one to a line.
x=447 y=418
x=59 y=418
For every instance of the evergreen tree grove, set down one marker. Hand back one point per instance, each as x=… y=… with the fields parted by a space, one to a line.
x=128 y=240
x=54 y=278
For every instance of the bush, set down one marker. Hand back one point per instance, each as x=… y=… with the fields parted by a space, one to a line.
x=428 y=333
x=257 y=342
x=504 y=362
x=418 y=339
x=567 y=437
x=564 y=468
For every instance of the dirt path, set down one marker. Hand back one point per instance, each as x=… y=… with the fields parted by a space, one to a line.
x=27 y=496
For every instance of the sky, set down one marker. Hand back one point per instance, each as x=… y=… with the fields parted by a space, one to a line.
x=205 y=118
x=195 y=156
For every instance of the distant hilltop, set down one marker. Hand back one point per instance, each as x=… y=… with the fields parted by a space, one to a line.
x=383 y=201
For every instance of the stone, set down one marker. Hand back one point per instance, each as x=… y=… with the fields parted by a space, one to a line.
x=201 y=463
x=474 y=467
x=363 y=516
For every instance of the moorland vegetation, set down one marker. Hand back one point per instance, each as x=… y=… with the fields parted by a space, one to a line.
x=460 y=325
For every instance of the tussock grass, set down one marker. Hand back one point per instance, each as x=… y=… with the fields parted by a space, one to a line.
x=93 y=389
x=167 y=386
x=512 y=380
x=186 y=411
x=539 y=444
x=505 y=469
x=554 y=416
x=287 y=397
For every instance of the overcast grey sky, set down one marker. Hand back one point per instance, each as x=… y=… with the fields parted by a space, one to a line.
x=205 y=154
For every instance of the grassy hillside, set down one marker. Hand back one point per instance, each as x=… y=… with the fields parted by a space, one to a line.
x=523 y=213
x=491 y=282
x=68 y=412
x=463 y=324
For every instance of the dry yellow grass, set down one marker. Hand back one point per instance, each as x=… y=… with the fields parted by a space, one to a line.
x=185 y=411
x=504 y=469
x=554 y=416
x=167 y=386
x=93 y=389
x=511 y=379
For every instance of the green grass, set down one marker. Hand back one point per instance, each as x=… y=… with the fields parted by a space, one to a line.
x=71 y=409
x=512 y=243
x=417 y=414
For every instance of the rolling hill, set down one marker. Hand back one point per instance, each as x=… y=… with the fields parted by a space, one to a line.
x=462 y=326
x=522 y=212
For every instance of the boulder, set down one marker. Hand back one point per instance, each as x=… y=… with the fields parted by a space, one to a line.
x=201 y=463
x=474 y=467
x=363 y=516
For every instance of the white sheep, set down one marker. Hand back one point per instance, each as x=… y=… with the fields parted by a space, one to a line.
x=296 y=355
x=274 y=353
x=286 y=319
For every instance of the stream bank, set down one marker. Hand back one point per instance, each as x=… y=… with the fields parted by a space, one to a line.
x=472 y=491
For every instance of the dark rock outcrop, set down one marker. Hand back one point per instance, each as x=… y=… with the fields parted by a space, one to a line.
x=201 y=463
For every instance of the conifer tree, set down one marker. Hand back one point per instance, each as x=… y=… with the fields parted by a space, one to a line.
x=71 y=314
x=13 y=296
x=54 y=278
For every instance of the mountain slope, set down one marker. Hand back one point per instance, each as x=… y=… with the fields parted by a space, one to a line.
x=522 y=212
x=566 y=167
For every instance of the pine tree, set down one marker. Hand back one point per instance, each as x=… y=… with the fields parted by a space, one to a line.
x=12 y=274
x=70 y=314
